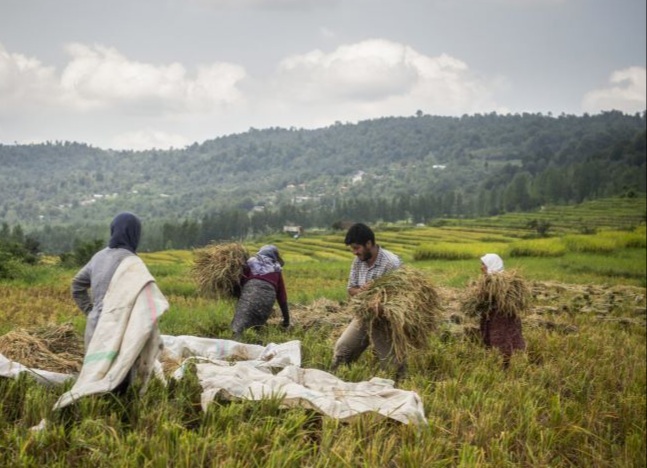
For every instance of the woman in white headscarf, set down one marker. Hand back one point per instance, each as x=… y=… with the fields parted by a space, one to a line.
x=500 y=324
x=491 y=263
x=262 y=285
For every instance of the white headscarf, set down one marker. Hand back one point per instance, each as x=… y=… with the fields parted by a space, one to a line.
x=267 y=260
x=492 y=262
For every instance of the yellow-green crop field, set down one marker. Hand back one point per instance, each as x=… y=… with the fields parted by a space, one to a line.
x=576 y=397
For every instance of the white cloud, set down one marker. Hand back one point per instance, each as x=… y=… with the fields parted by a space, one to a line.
x=508 y=3
x=269 y=4
x=24 y=81
x=380 y=72
x=627 y=92
x=101 y=77
x=103 y=97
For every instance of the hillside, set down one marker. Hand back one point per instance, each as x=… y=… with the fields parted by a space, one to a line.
x=423 y=166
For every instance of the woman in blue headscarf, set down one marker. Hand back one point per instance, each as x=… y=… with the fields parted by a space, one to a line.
x=262 y=285
x=112 y=283
x=90 y=284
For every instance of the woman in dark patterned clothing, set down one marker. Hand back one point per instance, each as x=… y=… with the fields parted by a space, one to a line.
x=262 y=284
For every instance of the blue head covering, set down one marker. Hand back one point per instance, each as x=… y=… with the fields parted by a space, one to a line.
x=267 y=260
x=272 y=252
x=125 y=231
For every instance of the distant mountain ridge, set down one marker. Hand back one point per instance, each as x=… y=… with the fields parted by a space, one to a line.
x=481 y=163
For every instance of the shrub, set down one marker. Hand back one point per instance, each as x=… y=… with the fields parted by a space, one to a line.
x=22 y=252
x=541 y=226
x=585 y=229
x=15 y=256
x=81 y=254
x=10 y=267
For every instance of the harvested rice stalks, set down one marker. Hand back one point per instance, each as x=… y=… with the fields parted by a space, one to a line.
x=407 y=301
x=321 y=312
x=169 y=363
x=217 y=269
x=506 y=291
x=53 y=348
x=60 y=339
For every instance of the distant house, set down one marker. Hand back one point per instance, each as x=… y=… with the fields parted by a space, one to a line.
x=293 y=230
x=357 y=177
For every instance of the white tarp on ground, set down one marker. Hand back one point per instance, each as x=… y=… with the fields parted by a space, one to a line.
x=250 y=377
x=11 y=370
x=187 y=349
x=195 y=348
x=310 y=388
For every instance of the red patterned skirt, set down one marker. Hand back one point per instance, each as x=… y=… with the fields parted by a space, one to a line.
x=502 y=332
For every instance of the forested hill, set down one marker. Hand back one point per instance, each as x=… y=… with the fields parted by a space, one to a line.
x=418 y=167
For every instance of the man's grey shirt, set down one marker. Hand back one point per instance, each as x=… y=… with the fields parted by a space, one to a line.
x=361 y=273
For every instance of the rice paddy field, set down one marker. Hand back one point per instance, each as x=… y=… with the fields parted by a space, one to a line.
x=576 y=396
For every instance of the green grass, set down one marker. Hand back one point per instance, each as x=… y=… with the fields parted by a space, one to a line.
x=592 y=244
x=553 y=247
x=575 y=398
x=456 y=250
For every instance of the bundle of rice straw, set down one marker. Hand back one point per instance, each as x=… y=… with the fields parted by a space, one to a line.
x=217 y=269
x=406 y=301
x=53 y=348
x=505 y=291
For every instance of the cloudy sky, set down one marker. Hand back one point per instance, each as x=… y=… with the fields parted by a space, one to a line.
x=159 y=73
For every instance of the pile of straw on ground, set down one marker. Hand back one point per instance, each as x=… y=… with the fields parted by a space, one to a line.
x=52 y=348
x=321 y=312
x=505 y=291
x=407 y=301
x=217 y=269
